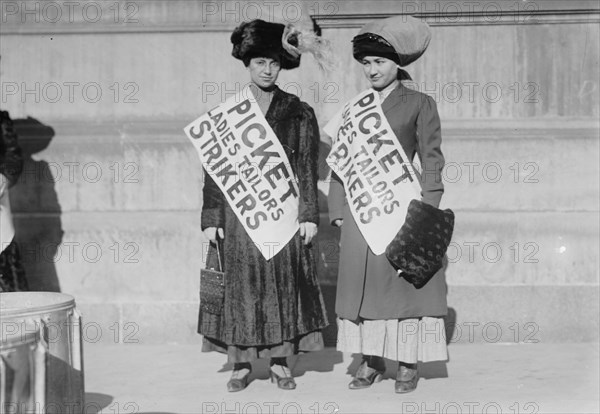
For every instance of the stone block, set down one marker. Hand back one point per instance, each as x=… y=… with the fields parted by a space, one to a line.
x=162 y=322
x=114 y=256
x=530 y=314
x=101 y=323
x=477 y=314
x=524 y=248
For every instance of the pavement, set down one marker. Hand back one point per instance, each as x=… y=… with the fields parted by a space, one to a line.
x=478 y=378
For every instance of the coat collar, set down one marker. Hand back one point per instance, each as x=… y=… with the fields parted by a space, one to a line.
x=396 y=97
x=283 y=106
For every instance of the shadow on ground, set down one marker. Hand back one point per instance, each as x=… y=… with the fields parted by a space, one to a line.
x=96 y=402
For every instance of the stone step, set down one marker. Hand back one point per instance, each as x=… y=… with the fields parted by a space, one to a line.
x=484 y=314
x=153 y=167
x=157 y=256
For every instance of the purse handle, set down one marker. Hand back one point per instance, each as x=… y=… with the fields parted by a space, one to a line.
x=219 y=257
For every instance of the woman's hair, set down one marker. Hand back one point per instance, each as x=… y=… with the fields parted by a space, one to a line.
x=246 y=59
x=403 y=75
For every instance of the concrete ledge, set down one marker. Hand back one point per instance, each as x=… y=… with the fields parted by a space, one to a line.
x=158 y=255
x=478 y=314
x=532 y=314
x=114 y=256
x=524 y=248
x=140 y=167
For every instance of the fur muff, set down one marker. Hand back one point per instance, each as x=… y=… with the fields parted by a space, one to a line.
x=419 y=247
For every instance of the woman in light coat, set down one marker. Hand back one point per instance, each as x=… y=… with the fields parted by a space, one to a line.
x=381 y=315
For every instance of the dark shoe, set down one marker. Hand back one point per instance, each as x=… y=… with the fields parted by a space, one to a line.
x=406 y=378
x=365 y=376
x=285 y=383
x=236 y=383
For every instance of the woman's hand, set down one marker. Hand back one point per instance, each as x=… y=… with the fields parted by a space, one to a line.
x=338 y=222
x=211 y=233
x=308 y=230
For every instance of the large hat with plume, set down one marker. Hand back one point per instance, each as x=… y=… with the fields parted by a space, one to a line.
x=402 y=39
x=258 y=38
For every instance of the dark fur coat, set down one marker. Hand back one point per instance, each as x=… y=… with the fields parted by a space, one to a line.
x=268 y=302
x=12 y=274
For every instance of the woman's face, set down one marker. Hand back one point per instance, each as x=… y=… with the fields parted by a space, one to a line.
x=264 y=71
x=379 y=71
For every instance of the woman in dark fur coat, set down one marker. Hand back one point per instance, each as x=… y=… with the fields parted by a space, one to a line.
x=273 y=309
x=12 y=274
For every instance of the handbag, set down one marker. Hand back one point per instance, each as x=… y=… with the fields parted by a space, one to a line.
x=419 y=247
x=212 y=286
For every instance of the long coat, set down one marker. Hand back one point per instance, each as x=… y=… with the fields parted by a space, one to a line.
x=11 y=164
x=12 y=273
x=268 y=302
x=368 y=286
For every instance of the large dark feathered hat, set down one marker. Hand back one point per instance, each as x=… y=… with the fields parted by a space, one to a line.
x=258 y=38
x=402 y=39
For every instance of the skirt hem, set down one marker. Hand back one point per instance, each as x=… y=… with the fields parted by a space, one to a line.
x=310 y=342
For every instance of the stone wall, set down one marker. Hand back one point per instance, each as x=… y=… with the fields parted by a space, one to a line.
x=108 y=207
